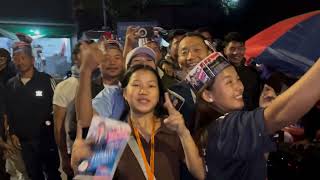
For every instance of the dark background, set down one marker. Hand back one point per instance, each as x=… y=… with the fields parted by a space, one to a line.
x=249 y=18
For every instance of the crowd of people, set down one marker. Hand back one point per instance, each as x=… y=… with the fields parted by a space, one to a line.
x=222 y=129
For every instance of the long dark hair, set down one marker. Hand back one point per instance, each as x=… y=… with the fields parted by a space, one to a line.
x=159 y=109
x=205 y=115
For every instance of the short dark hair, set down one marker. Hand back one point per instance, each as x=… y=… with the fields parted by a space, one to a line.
x=202 y=29
x=76 y=48
x=192 y=34
x=164 y=61
x=233 y=36
x=5 y=53
x=176 y=32
x=159 y=109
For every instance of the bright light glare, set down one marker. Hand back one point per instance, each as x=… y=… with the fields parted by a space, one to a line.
x=231 y=3
x=37 y=32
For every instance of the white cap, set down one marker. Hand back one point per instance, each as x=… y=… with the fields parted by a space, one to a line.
x=139 y=50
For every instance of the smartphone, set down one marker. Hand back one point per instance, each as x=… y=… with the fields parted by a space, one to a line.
x=176 y=100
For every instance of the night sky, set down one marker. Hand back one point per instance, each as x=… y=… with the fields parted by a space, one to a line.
x=251 y=17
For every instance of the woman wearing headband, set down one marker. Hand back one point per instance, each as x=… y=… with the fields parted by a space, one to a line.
x=234 y=141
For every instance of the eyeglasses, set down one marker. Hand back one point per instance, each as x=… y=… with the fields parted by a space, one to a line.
x=193 y=49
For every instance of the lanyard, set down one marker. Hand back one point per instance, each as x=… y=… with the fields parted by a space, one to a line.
x=149 y=169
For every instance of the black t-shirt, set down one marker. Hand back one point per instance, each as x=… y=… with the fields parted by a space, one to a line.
x=236 y=146
x=252 y=86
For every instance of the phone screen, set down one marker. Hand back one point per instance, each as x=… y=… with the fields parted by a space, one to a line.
x=176 y=100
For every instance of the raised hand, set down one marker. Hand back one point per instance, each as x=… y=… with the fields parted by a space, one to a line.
x=132 y=34
x=81 y=149
x=267 y=96
x=174 y=121
x=15 y=141
x=7 y=148
x=91 y=55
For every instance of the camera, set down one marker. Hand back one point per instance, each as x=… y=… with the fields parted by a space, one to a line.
x=145 y=32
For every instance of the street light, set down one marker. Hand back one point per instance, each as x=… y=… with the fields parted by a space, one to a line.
x=229 y=5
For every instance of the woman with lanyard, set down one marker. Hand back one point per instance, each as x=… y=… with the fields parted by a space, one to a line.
x=162 y=143
x=235 y=141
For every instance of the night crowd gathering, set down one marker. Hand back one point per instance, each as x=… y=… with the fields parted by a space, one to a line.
x=195 y=107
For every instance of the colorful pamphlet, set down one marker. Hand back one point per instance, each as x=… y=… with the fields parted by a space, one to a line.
x=110 y=138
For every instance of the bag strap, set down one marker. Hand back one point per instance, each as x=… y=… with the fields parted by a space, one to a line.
x=135 y=149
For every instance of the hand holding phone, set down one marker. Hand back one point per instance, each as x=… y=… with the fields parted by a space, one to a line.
x=176 y=99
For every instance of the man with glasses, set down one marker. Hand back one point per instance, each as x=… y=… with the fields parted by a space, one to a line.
x=191 y=49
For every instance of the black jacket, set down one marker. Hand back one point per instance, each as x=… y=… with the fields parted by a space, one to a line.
x=29 y=106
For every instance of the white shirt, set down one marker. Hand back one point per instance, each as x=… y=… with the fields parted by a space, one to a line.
x=64 y=96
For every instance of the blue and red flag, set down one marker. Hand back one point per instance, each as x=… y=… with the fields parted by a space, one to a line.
x=290 y=46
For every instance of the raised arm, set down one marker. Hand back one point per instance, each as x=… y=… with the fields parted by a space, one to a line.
x=90 y=56
x=291 y=105
x=60 y=137
x=176 y=123
x=131 y=40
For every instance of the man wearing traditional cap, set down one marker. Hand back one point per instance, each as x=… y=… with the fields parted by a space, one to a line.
x=29 y=111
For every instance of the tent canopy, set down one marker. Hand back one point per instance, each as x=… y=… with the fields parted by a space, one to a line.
x=40 y=29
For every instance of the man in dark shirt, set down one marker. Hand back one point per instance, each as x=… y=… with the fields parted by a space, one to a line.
x=29 y=111
x=191 y=50
x=234 y=51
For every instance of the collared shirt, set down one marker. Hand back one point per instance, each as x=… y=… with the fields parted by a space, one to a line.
x=237 y=145
x=109 y=103
x=29 y=106
x=168 y=156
